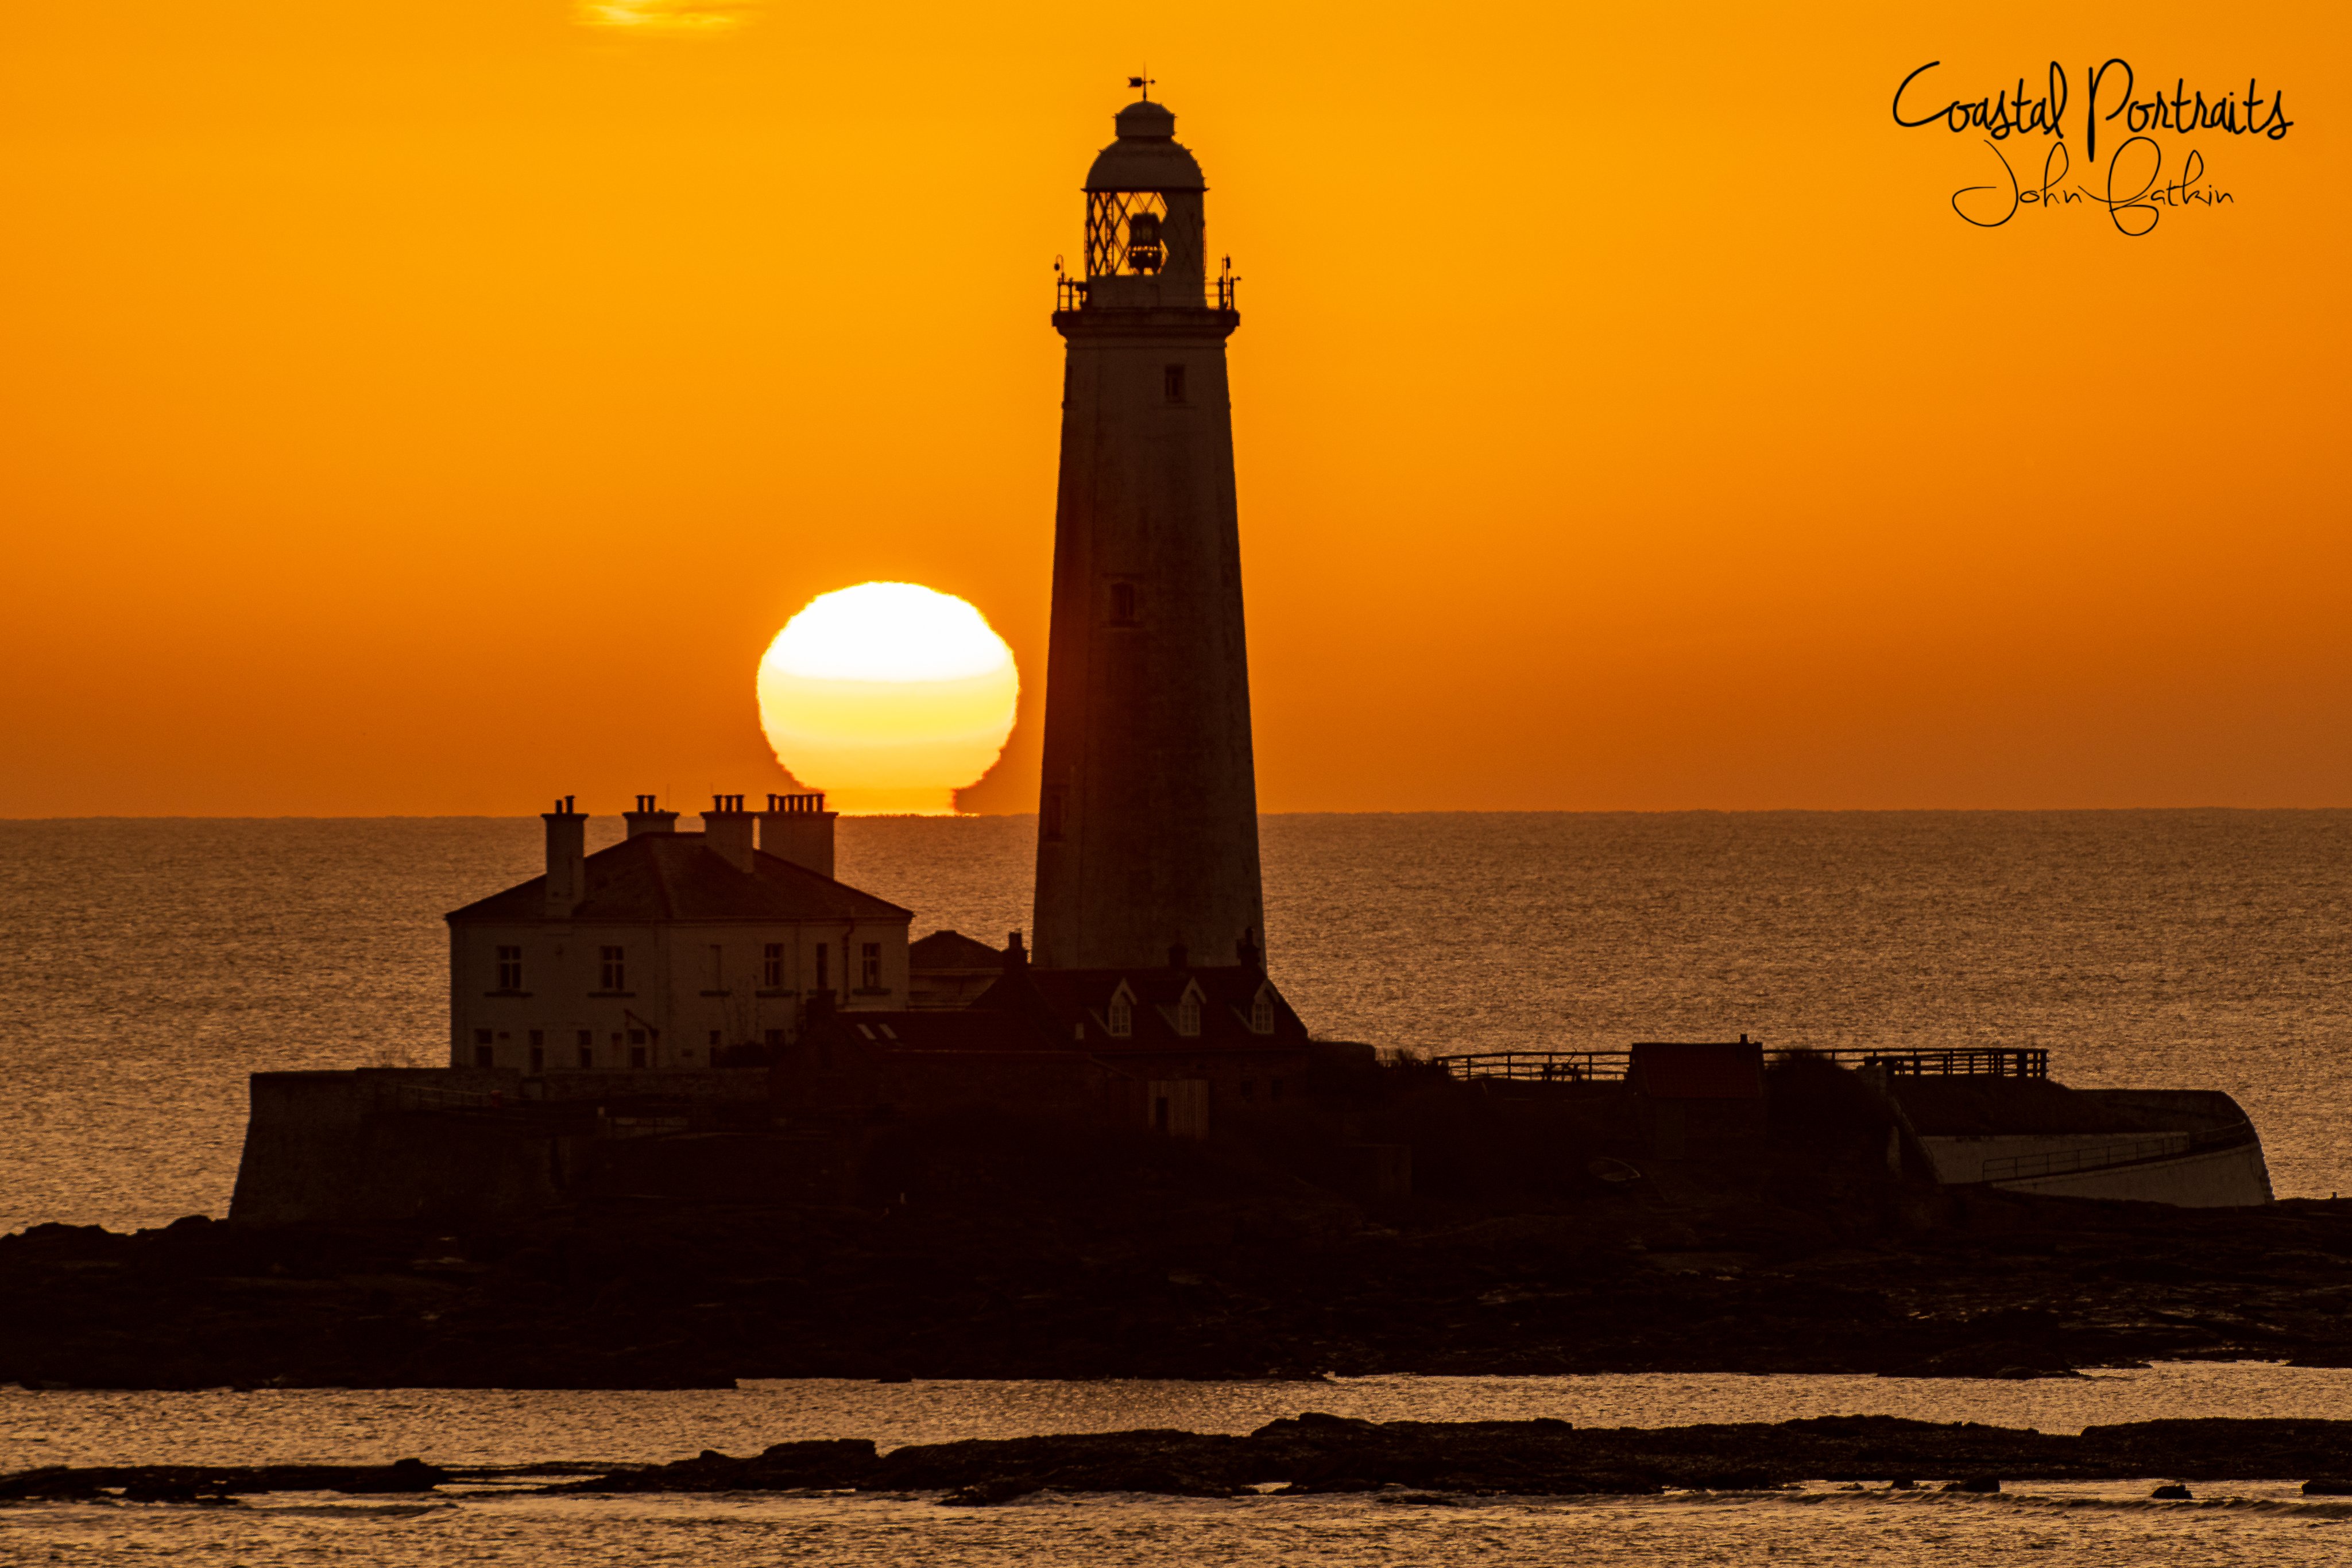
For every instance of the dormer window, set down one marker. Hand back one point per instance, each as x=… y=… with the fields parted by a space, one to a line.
x=1120 y=1016
x=1187 y=1013
x=1262 y=1011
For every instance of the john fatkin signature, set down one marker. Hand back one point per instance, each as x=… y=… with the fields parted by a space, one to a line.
x=2134 y=187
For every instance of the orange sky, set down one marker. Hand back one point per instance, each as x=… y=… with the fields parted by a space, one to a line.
x=433 y=408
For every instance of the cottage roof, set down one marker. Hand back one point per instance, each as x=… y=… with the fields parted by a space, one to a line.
x=656 y=877
x=952 y=950
x=1064 y=999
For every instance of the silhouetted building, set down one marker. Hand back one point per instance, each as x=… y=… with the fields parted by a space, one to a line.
x=1176 y=1049
x=949 y=969
x=670 y=950
x=1148 y=814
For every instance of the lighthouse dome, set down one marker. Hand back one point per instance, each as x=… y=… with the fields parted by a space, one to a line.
x=1146 y=157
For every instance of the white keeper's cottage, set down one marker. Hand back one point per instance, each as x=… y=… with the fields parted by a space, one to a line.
x=670 y=950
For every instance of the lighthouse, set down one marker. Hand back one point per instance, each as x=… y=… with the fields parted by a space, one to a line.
x=1147 y=837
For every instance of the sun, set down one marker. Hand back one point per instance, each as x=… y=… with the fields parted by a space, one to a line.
x=890 y=697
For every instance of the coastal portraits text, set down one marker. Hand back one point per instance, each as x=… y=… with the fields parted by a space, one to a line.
x=2150 y=164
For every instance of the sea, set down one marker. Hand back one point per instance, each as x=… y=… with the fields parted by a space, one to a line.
x=147 y=966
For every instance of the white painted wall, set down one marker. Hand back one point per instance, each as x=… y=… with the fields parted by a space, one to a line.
x=673 y=998
x=2211 y=1178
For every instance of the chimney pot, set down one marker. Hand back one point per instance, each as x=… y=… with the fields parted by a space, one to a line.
x=727 y=828
x=649 y=817
x=567 y=859
x=797 y=827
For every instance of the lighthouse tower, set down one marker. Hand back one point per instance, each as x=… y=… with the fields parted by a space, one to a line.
x=1147 y=839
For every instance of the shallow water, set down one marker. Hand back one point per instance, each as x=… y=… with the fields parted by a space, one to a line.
x=2082 y=1526
x=511 y=1426
x=2245 y=1521
x=146 y=967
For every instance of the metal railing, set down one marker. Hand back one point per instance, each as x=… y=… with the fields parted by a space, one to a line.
x=1959 y=1062
x=1611 y=1066
x=1540 y=1066
x=1070 y=293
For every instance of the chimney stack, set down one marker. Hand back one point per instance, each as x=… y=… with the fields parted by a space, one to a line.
x=797 y=827
x=649 y=819
x=567 y=859
x=727 y=828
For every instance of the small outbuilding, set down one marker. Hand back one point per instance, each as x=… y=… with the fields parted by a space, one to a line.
x=1180 y=1049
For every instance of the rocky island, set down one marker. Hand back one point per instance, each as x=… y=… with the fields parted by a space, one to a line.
x=977 y=1246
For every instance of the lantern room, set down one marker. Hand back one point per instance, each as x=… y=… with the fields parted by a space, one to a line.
x=1144 y=239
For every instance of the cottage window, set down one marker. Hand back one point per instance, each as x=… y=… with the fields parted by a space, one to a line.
x=511 y=969
x=636 y=1056
x=587 y=1051
x=717 y=970
x=1188 y=1015
x=537 y=1050
x=771 y=966
x=823 y=968
x=1122 y=1016
x=1262 y=1013
x=870 y=967
x=612 y=969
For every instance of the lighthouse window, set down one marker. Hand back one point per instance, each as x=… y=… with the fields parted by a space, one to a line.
x=1123 y=605
x=612 y=969
x=1171 y=379
x=1051 y=811
x=772 y=965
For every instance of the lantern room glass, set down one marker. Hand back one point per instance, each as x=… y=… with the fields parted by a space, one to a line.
x=1126 y=234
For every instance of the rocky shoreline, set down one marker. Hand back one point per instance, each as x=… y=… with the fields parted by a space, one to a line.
x=1182 y=1283
x=1319 y=1454
x=980 y=1246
